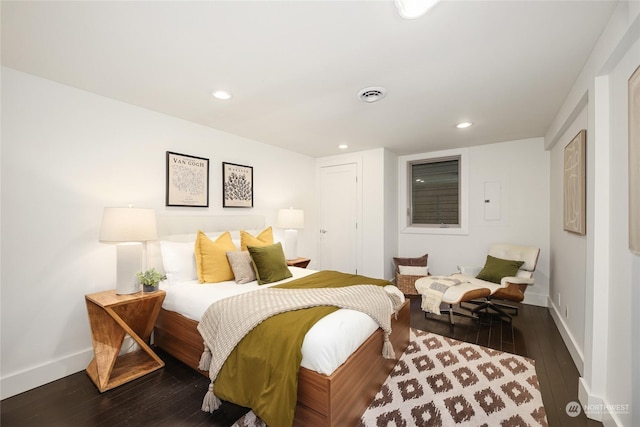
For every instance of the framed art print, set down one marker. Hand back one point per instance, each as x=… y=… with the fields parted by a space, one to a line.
x=187 y=180
x=237 y=186
x=574 y=191
x=634 y=162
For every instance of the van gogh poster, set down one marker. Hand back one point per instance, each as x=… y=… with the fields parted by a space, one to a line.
x=187 y=180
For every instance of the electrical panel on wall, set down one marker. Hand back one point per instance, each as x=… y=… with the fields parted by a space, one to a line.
x=492 y=201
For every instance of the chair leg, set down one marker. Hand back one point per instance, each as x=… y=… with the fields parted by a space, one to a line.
x=489 y=305
x=453 y=313
x=483 y=303
x=473 y=301
x=508 y=307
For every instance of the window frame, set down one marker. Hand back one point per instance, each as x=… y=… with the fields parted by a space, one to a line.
x=405 y=187
x=411 y=187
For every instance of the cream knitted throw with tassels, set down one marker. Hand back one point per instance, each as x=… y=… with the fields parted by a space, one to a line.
x=432 y=289
x=226 y=322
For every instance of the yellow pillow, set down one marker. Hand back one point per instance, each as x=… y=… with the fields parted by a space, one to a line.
x=211 y=258
x=265 y=238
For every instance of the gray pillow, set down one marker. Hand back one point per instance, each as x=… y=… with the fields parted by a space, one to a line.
x=241 y=266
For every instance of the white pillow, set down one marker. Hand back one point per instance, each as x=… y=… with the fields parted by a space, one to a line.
x=413 y=271
x=179 y=261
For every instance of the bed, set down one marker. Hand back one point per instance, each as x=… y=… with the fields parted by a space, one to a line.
x=338 y=398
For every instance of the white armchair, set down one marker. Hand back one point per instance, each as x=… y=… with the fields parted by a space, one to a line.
x=484 y=292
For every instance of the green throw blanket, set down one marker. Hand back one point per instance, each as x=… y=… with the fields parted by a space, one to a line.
x=262 y=371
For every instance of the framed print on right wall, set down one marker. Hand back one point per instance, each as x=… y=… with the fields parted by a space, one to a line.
x=634 y=162
x=574 y=191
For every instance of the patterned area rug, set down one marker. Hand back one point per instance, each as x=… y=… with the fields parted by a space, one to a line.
x=440 y=381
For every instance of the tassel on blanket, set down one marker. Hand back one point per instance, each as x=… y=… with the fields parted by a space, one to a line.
x=387 y=348
x=205 y=359
x=211 y=401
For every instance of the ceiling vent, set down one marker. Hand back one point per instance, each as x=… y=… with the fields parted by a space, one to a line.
x=372 y=94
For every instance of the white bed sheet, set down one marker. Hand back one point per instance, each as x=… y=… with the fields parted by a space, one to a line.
x=327 y=344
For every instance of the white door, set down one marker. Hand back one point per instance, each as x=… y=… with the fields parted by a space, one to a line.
x=338 y=218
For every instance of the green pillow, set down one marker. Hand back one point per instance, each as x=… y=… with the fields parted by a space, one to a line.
x=497 y=268
x=269 y=263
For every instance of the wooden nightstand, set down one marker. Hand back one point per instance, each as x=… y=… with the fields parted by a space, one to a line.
x=112 y=317
x=298 y=262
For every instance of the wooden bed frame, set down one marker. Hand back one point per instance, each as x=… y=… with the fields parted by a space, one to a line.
x=335 y=400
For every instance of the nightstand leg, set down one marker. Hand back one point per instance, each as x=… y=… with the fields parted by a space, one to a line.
x=107 y=337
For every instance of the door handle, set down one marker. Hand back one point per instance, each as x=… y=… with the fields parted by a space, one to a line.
x=323 y=231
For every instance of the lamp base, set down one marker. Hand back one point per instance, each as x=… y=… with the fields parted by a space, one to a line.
x=129 y=257
x=291 y=244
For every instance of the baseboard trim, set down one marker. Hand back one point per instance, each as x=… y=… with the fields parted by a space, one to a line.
x=20 y=382
x=588 y=400
x=567 y=337
x=599 y=409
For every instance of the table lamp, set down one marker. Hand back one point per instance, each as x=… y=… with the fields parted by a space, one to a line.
x=129 y=229
x=291 y=220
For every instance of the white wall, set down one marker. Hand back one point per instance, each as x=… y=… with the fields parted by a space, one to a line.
x=609 y=387
x=66 y=154
x=522 y=169
x=391 y=212
x=621 y=284
x=373 y=231
x=568 y=254
x=380 y=212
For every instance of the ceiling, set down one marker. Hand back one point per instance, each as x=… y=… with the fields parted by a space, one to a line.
x=294 y=67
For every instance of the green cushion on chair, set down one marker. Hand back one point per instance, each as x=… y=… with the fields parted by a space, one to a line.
x=496 y=268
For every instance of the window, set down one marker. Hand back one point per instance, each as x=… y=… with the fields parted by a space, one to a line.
x=434 y=192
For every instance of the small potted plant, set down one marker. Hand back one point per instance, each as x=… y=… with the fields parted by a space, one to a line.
x=150 y=279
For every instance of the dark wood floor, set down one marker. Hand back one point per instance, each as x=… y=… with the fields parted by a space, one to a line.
x=172 y=396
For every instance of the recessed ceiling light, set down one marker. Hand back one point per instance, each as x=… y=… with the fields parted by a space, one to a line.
x=221 y=94
x=343 y=146
x=463 y=125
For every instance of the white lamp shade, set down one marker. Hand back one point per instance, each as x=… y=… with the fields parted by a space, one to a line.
x=128 y=225
x=290 y=219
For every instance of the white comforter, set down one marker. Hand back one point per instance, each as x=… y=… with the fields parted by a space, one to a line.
x=326 y=346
